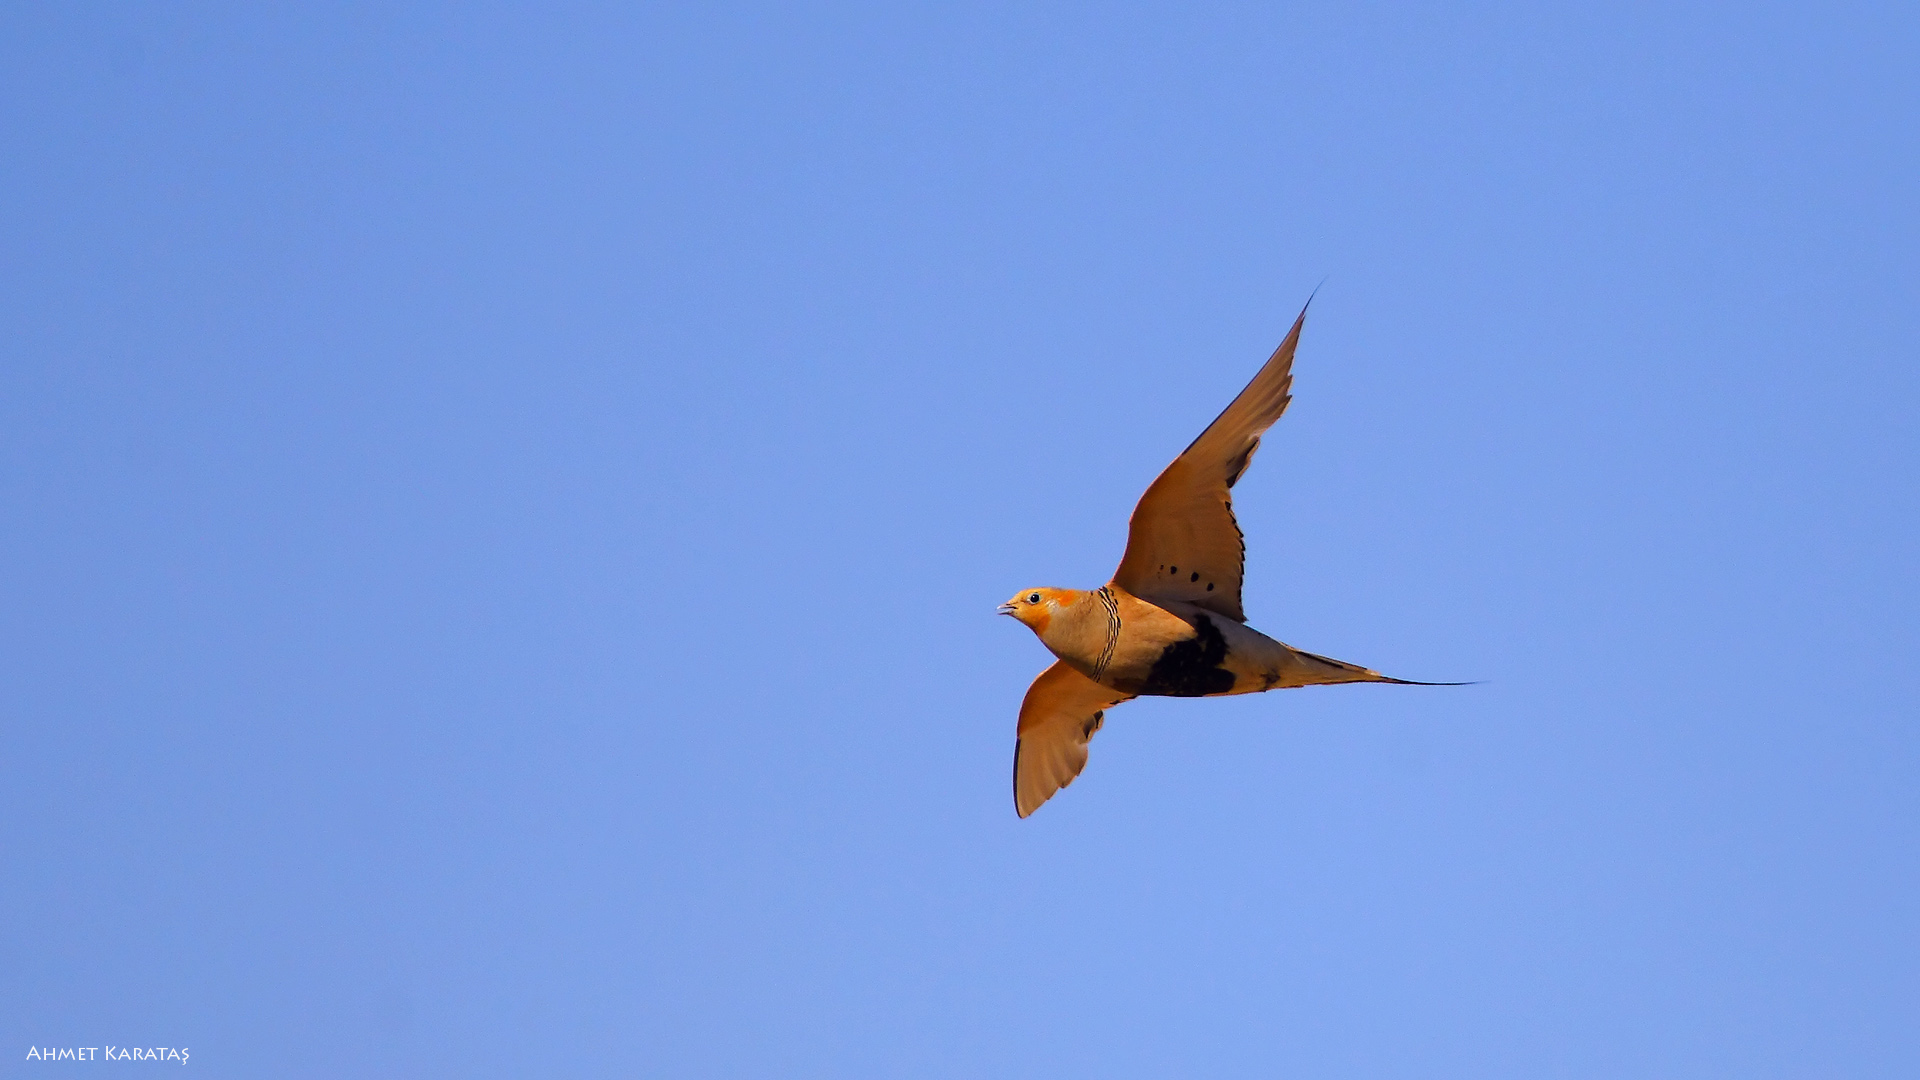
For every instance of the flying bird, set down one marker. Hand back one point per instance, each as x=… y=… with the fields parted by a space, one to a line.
x=1169 y=624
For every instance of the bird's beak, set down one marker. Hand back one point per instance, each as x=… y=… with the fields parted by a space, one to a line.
x=1006 y=608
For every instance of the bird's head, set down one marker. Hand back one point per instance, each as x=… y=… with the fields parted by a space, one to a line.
x=1037 y=607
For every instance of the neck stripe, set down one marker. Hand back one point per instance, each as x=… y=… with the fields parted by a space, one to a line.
x=1112 y=604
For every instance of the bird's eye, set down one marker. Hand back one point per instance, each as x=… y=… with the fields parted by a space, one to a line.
x=1033 y=598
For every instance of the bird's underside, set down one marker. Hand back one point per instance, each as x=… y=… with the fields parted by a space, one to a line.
x=1177 y=649
x=1170 y=623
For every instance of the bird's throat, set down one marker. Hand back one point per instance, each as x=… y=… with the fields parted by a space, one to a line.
x=1077 y=633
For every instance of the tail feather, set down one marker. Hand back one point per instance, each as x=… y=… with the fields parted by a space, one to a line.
x=1312 y=669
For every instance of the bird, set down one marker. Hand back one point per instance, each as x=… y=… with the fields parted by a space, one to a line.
x=1170 y=622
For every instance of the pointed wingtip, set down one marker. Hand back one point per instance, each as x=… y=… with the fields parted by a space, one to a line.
x=1303 y=307
x=1417 y=682
x=1023 y=811
x=1301 y=319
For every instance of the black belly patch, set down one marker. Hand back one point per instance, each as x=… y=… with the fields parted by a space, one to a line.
x=1191 y=668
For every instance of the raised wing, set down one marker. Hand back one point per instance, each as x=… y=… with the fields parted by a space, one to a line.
x=1062 y=710
x=1183 y=542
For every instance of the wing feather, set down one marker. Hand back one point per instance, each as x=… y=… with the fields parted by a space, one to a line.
x=1183 y=542
x=1062 y=710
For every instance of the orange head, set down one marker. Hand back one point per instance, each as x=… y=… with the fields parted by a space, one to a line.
x=1037 y=607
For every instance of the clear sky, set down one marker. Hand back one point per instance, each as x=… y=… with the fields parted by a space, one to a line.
x=502 y=509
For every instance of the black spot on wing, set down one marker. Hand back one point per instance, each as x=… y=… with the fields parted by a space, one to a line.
x=1093 y=725
x=1195 y=577
x=1191 y=668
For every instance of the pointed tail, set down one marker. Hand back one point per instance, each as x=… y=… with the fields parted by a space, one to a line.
x=1311 y=669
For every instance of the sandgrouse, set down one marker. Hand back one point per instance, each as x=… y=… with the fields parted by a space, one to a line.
x=1169 y=624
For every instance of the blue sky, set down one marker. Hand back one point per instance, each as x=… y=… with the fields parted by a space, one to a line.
x=504 y=508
